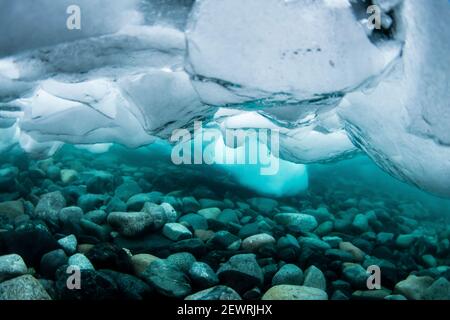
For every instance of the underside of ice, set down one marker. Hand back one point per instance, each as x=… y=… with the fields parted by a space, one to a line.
x=311 y=70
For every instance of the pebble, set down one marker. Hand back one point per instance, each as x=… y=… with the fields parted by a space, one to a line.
x=356 y=275
x=360 y=223
x=68 y=176
x=79 y=260
x=167 y=279
x=141 y=262
x=11 y=266
x=297 y=222
x=51 y=261
x=209 y=213
x=196 y=221
x=241 y=272
x=225 y=240
x=290 y=292
x=357 y=253
x=130 y=224
x=315 y=278
x=439 y=290
x=253 y=243
x=170 y=212
x=176 y=231
x=288 y=274
x=49 y=206
x=414 y=287
x=202 y=275
x=25 y=287
x=215 y=293
x=405 y=241
x=265 y=206
x=182 y=260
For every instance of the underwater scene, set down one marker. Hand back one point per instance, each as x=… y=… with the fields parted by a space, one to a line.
x=247 y=150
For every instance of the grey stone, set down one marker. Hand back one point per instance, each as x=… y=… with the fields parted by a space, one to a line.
x=79 y=260
x=11 y=266
x=297 y=222
x=202 y=275
x=130 y=224
x=49 y=206
x=25 y=287
x=288 y=274
x=176 y=231
x=69 y=244
x=315 y=278
x=241 y=272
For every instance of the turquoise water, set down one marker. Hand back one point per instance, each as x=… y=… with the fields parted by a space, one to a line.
x=139 y=227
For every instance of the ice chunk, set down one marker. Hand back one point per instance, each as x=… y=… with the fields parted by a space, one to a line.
x=403 y=122
x=280 y=50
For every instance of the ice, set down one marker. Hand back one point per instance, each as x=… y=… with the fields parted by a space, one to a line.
x=310 y=70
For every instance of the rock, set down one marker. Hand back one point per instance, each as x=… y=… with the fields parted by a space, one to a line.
x=228 y=216
x=130 y=224
x=127 y=189
x=30 y=240
x=414 y=287
x=137 y=201
x=94 y=286
x=69 y=219
x=385 y=238
x=182 y=260
x=49 y=206
x=288 y=248
x=265 y=206
x=357 y=253
x=356 y=275
x=54 y=172
x=339 y=295
x=51 y=261
x=313 y=244
x=296 y=222
x=380 y=294
x=211 y=203
x=290 y=292
x=81 y=261
x=69 y=244
x=116 y=205
x=89 y=202
x=8 y=179
x=170 y=213
x=439 y=290
x=167 y=279
x=405 y=241
x=109 y=256
x=209 y=213
x=224 y=240
x=176 y=231
x=84 y=248
x=324 y=228
x=360 y=223
x=429 y=260
x=96 y=216
x=10 y=210
x=215 y=293
x=101 y=182
x=68 y=176
x=155 y=243
x=202 y=275
x=160 y=214
x=11 y=266
x=333 y=241
x=253 y=243
x=129 y=287
x=196 y=221
x=25 y=287
x=141 y=262
x=288 y=274
x=315 y=278
x=321 y=214
x=100 y=233
x=190 y=204
x=241 y=272
x=397 y=297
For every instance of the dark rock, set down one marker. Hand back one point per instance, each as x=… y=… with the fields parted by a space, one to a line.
x=288 y=274
x=116 y=205
x=94 y=286
x=96 y=216
x=195 y=246
x=182 y=260
x=202 y=275
x=51 y=261
x=196 y=221
x=101 y=182
x=151 y=243
x=127 y=189
x=241 y=272
x=30 y=240
x=89 y=202
x=110 y=256
x=225 y=240
x=288 y=248
x=215 y=293
x=129 y=287
x=167 y=279
x=49 y=206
